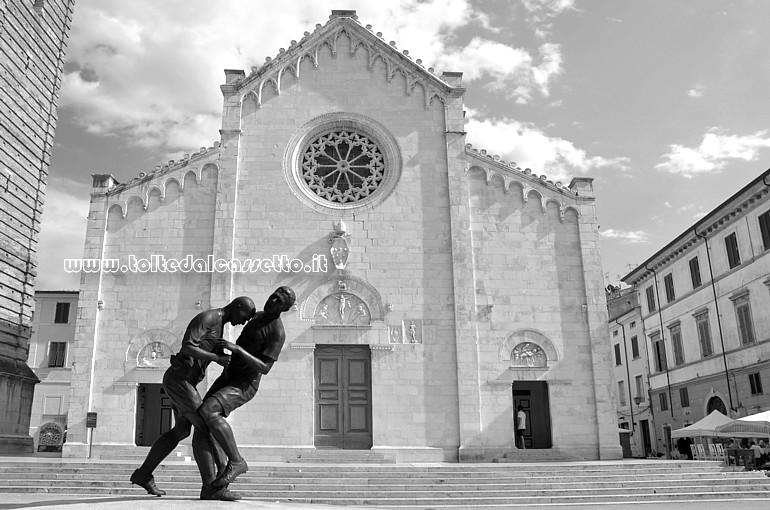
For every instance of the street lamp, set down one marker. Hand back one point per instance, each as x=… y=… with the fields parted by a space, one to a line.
x=637 y=400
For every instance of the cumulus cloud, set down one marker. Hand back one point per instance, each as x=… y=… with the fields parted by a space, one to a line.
x=715 y=151
x=626 y=237
x=529 y=147
x=150 y=72
x=696 y=92
x=540 y=13
x=64 y=219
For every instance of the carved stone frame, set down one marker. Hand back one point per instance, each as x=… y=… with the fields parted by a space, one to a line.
x=531 y=336
x=350 y=285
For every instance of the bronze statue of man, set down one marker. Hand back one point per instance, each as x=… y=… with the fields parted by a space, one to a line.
x=253 y=355
x=187 y=370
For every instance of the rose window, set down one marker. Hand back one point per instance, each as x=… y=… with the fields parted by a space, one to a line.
x=343 y=167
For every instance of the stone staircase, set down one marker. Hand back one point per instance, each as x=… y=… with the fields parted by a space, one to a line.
x=412 y=485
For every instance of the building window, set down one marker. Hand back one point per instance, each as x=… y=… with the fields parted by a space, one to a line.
x=650 y=299
x=684 y=397
x=615 y=333
x=62 y=313
x=743 y=316
x=622 y=393
x=640 y=388
x=57 y=353
x=632 y=325
x=663 y=402
x=676 y=341
x=704 y=335
x=634 y=347
x=764 y=228
x=668 y=281
x=695 y=273
x=618 y=361
x=659 y=347
x=733 y=255
x=755 y=381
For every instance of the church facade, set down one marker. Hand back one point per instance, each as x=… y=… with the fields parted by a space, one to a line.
x=438 y=286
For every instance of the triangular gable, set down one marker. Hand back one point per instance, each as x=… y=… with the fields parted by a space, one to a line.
x=289 y=60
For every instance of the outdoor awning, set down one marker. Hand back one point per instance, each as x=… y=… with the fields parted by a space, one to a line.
x=755 y=425
x=703 y=428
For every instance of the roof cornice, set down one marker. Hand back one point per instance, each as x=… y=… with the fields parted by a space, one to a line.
x=747 y=198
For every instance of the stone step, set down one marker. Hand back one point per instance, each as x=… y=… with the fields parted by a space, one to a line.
x=283 y=489
x=751 y=495
x=626 y=467
x=394 y=477
x=402 y=479
x=547 y=455
x=342 y=457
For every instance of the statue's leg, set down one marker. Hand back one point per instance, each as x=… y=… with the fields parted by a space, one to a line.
x=223 y=398
x=214 y=416
x=160 y=449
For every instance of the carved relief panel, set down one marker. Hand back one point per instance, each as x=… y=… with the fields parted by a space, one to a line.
x=528 y=354
x=342 y=309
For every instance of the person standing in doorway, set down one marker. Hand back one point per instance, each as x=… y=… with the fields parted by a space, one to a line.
x=521 y=426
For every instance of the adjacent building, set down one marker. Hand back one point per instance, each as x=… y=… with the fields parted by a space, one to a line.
x=50 y=358
x=32 y=45
x=704 y=301
x=630 y=359
x=438 y=286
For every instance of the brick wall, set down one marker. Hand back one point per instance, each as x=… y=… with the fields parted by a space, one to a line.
x=32 y=45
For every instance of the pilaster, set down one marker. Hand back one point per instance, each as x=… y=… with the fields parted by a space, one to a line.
x=87 y=328
x=227 y=190
x=466 y=336
x=596 y=316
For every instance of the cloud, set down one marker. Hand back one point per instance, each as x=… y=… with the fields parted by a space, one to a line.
x=529 y=147
x=149 y=72
x=540 y=13
x=696 y=92
x=513 y=70
x=626 y=237
x=714 y=152
x=64 y=220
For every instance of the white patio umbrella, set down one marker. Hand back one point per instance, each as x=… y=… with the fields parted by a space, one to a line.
x=703 y=428
x=755 y=425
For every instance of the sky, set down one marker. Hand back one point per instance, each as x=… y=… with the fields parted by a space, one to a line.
x=662 y=102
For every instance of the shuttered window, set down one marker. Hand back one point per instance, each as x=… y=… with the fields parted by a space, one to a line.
x=57 y=353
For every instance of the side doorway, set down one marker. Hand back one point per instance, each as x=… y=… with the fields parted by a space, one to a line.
x=343 y=397
x=532 y=396
x=154 y=415
x=645 y=426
